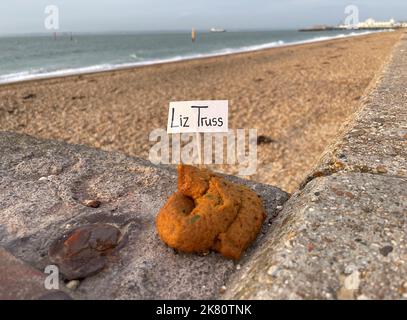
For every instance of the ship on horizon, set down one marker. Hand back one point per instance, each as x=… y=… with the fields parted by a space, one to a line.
x=217 y=30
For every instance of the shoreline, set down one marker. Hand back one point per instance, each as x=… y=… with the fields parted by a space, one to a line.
x=138 y=65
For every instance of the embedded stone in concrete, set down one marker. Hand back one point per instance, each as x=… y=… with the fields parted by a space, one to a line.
x=83 y=251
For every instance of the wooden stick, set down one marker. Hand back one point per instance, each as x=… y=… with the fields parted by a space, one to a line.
x=198 y=142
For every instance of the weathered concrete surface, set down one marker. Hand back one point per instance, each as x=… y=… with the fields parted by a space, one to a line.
x=344 y=235
x=43 y=188
x=339 y=229
x=18 y=281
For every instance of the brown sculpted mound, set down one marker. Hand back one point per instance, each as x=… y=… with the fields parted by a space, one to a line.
x=210 y=213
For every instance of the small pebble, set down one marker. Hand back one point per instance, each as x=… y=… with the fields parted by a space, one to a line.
x=385 y=251
x=264 y=140
x=43 y=179
x=29 y=96
x=73 y=285
x=381 y=169
x=92 y=203
x=349 y=269
x=272 y=271
x=238 y=267
x=222 y=289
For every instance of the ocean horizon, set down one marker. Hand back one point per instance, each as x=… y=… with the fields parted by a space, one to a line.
x=24 y=57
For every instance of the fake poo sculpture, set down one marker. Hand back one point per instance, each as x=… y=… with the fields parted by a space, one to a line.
x=210 y=213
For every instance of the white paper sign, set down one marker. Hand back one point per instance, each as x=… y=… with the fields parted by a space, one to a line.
x=198 y=116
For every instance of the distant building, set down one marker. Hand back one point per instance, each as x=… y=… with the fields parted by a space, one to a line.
x=367 y=24
x=373 y=24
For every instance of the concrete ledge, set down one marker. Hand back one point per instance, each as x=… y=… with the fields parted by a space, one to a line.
x=44 y=186
x=344 y=234
x=375 y=140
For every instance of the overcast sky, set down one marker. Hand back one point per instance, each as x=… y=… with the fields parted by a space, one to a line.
x=27 y=16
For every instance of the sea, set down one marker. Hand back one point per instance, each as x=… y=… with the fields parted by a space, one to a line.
x=27 y=57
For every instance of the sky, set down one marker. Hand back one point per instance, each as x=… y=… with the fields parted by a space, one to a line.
x=27 y=16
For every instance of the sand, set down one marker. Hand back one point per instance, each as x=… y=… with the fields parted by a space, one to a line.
x=298 y=96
